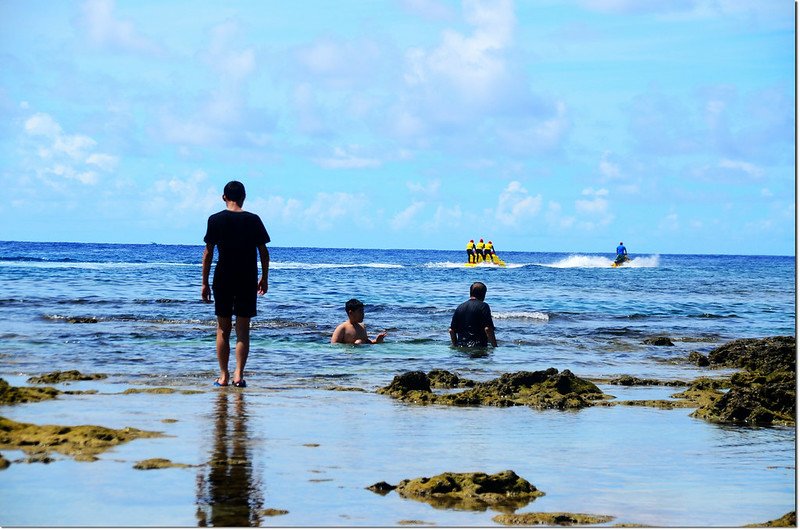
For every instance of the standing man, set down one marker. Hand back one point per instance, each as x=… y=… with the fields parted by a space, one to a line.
x=472 y=323
x=237 y=235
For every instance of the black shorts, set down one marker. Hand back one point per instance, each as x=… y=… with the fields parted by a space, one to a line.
x=239 y=301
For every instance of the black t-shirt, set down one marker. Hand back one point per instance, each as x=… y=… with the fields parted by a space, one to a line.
x=237 y=235
x=469 y=321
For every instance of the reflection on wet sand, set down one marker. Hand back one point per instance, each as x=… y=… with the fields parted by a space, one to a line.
x=228 y=493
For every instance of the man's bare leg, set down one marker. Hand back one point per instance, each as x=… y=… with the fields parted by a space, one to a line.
x=242 y=347
x=223 y=348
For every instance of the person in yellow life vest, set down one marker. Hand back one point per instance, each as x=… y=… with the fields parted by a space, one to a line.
x=471 y=251
x=488 y=251
x=479 y=250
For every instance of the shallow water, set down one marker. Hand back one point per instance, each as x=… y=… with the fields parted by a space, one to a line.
x=569 y=311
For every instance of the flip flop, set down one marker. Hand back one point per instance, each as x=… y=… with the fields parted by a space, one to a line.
x=217 y=383
x=240 y=383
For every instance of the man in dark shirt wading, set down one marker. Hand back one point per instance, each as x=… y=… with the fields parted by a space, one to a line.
x=472 y=323
x=237 y=235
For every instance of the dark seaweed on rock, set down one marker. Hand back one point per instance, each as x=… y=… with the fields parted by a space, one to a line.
x=10 y=395
x=551 y=519
x=545 y=389
x=758 y=355
x=504 y=491
x=765 y=392
x=67 y=375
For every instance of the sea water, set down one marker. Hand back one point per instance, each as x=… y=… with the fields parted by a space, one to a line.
x=134 y=312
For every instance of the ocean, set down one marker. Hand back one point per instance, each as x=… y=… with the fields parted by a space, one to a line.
x=134 y=312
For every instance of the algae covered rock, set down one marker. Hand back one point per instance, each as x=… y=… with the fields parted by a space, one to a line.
x=659 y=341
x=60 y=377
x=543 y=389
x=765 y=392
x=755 y=399
x=787 y=521
x=551 y=519
x=757 y=355
x=83 y=442
x=10 y=395
x=504 y=491
x=157 y=463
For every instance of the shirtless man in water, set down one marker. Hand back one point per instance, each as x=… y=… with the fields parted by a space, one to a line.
x=352 y=331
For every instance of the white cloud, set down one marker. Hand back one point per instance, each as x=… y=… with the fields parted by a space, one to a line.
x=347 y=159
x=329 y=208
x=670 y=223
x=105 y=29
x=607 y=168
x=405 y=218
x=515 y=204
x=594 y=210
x=555 y=217
x=64 y=155
x=745 y=167
x=428 y=189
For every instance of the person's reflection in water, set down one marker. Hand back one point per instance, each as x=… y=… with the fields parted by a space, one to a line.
x=227 y=492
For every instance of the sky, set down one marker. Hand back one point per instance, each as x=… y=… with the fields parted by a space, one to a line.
x=543 y=125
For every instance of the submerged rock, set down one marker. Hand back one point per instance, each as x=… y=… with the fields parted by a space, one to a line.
x=543 y=389
x=60 y=377
x=382 y=488
x=10 y=395
x=157 y=463
x=82 y=442
x=504 y=491
x=273 y=512
x=551 y=519
x=629 y=380
x=659 y=341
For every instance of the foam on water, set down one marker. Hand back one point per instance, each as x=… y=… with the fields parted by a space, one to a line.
x=580 y=261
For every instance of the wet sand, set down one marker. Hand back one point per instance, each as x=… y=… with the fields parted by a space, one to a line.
x=268 y=455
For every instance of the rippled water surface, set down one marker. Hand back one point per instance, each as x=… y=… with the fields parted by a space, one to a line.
x=134 y=312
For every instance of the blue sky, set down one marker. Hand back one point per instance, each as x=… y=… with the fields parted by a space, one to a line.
x=544 y=125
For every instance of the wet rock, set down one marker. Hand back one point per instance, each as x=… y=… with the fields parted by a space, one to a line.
x=273 y=512
x=787 y=521
x=4 y=464
x=382 y=488
x=754 y=399
x=60 y=377
x=698 y=359
x=659 y=341
x=629 y=380
x=82 y=320
x=445 y=379
x=551 y=519
x=82 y=442
x=766 y=355
x=504 y=491
x=543 y=389
x=10 y=395
x=157 y=463
x=765 y=392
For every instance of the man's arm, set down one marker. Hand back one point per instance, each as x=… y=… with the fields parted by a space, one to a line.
x=338 y=334
x=453 y=338
x=490 y=335
x=263 y=283
x=208 y=257
x=379 y=338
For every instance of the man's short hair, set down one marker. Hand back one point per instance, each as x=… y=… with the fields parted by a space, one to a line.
x=234 y=191
x=478 y=290
x=352 y=305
